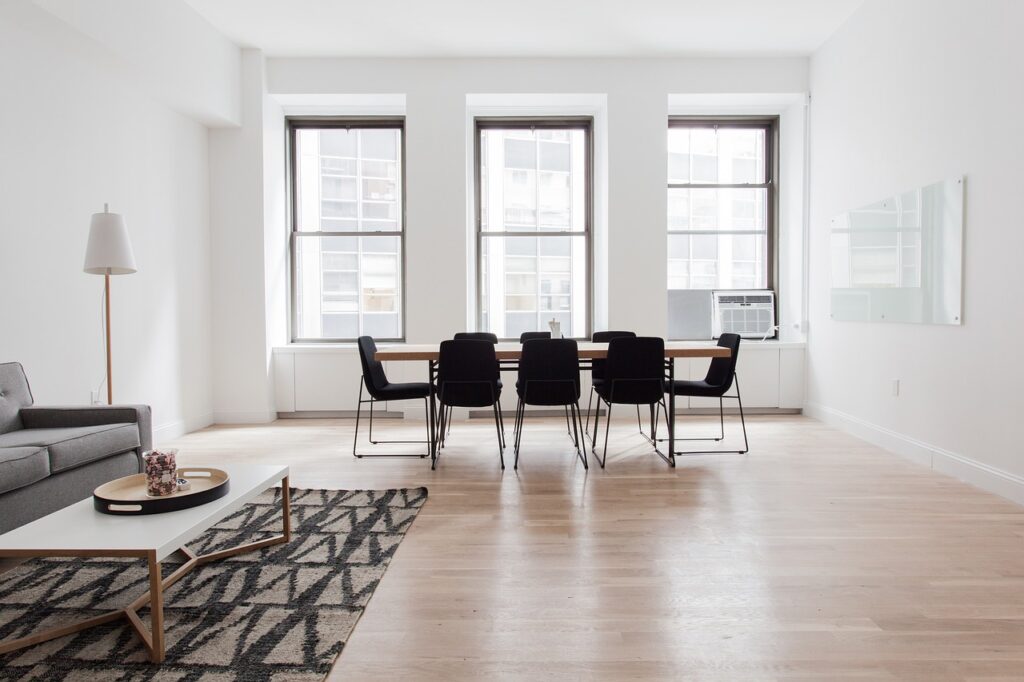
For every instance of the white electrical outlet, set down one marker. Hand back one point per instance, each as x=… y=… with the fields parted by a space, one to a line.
x=895 y=388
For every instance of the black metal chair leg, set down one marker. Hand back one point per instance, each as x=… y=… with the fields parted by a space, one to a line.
x=654 y=434
x=597 y=416
x=371 y=425
x=426 y=414
x=355 y=436
x=497 y=427
x=578 y=434
x=607 y=424
x=670 y=457
x=501 y=424
x=743 y=421
x=444 y=422
x=583 y=438
x=721 y=418
x=359 y=409
x=522 y=423
x=573 y=434
x=518 y=432
x=590 y=401
x=517 y=428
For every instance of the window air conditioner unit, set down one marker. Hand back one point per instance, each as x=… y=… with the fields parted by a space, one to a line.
x=751 y=314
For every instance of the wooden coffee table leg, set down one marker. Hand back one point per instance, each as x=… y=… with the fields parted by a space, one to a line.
x=286 y=508
x=153 y=636
x=54 y=633
x=156 y=609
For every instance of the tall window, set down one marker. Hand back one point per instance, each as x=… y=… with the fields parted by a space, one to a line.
x=720 y=205
x=348 y=224
x=533 y=225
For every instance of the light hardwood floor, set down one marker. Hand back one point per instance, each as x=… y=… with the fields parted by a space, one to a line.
x=815 y=557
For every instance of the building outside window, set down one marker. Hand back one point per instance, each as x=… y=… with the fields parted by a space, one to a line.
x=720 y=205
x=347 y=254
x=533 y=225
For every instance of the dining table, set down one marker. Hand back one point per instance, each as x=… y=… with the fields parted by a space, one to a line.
x=509 y=353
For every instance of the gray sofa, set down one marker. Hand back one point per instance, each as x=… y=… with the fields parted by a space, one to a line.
x=51 y=457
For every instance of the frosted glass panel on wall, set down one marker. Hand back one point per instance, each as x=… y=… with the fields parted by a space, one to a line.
x=901 y=259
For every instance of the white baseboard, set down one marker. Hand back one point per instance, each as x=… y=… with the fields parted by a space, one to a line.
x=244 y=417
x=1002 y=483
x=179 y=428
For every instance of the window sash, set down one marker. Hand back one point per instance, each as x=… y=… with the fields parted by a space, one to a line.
x=581 y=123
x=769 y=185
x=293 y=125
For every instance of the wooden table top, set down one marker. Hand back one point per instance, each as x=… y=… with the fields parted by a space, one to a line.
x=587 y=351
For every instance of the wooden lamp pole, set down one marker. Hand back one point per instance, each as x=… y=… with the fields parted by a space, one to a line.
x=106 y=297
x=109 y=253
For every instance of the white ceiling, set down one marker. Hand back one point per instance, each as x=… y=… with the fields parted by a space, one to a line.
x=527 y=28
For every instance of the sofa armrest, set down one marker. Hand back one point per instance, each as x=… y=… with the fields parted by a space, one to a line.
x=92 y=415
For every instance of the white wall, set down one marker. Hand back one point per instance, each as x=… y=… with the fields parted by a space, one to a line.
x=436 y=148
x=907 y=93
x=630 y=135
x=73 y=135
x=166 y=49
x=791 y=244
x=249 y=240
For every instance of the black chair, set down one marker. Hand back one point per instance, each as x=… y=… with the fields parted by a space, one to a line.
x=467 y=376
x=549 y=374
x=720 y=378
x=597 y=371
x=634 y=374
x=380 y=389
x=478 y=336
x=529 y=336
x=463 y=336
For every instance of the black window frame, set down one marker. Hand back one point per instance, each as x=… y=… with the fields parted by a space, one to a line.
x=770 y=124
x=586 y=123
x=292 y=125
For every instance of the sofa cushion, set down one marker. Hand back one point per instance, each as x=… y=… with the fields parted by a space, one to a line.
x=14 y=395
x=74 y=446
x=20 y=467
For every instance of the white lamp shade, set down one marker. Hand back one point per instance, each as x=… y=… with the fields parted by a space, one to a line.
x=109 y=251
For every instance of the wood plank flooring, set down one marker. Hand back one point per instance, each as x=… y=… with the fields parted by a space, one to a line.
x=815 y=557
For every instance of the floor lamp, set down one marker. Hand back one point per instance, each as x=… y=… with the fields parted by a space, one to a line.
x=109 y=253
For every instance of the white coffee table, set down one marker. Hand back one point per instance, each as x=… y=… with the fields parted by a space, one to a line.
x=81 y=531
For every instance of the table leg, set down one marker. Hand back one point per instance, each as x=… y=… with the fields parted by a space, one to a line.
x=671 y=416
x=286 y=509
x=432 y=446
x=156 y=610
x=47 y=635
x=153 y=636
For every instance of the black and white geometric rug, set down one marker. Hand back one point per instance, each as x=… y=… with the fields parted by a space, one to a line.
x=280 y=614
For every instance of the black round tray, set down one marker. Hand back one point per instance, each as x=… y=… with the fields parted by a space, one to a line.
x=127 y=496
